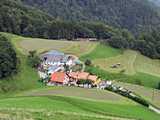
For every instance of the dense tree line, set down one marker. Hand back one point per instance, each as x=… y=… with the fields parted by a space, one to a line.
x=134 y=15
x=8 y=58
x=19 y=19
x=147 y=43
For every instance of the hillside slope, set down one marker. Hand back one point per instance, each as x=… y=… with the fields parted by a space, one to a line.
x=135 y=15
x=83 y=105
x=47 y=103
x=66 y=108
x=137 y=68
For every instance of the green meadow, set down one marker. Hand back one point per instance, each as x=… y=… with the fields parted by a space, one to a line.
x=27 y=99
x=71 y=108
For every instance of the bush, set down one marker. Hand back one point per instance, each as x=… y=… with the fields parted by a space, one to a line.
x=140 y=100
x=8 y=58
x=123 y=71
x=33 y=59
x=88 y=62
x=138 y=82
x=158 y=86
x=126 y=94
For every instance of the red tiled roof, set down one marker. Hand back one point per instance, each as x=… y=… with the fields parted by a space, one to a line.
x=92 y=78
x=74 y=75
x=58 y=77
x=79 y=75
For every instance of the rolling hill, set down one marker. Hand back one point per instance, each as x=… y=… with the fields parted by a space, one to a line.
x=23 y=97
x=137 y=68
x=58 y=107
x=38 y=102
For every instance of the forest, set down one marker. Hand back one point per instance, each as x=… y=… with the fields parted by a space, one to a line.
x=8 y=58
x=135 y=15
x=20 y=19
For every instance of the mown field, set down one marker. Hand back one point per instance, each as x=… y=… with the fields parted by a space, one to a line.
x=77 y=48
x=42 y=103
x=132 y=62
x=149 y=94
x=136 y=68
x=68 y=108
x=101 y=55
x=90 y=94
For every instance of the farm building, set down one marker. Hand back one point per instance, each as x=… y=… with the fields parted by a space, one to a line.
x=55 y=68
x=62 y=78
x=60 y=68
x=79 y=75
x=53 y=57
x=84 y=76
x=58 y=78
x=55 y=61
x=58 y=58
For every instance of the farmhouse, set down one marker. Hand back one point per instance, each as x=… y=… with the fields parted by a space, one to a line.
x=55 y=61
x=62 y=78
x=94 y=79
x=53 y=57
x=59 y=68
x=57 y=58
x=55 y=68
x=58 y=78
x=79 y=75
x=84 y=76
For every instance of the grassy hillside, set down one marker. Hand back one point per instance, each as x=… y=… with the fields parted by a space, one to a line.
x=26 y=77
x=137 y=68
x=89 y=94
x=33 y=101
x=101 y=51
x=149 y=94
x=42 y=45
x=72 y=108
x=131 y=62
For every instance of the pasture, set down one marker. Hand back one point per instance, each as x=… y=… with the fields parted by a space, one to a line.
x=131 y=62
x=101 y=52
x=70 y=107
x=40 y=45
x=101 y=55
x=152 y=95
x=83 y=104
x=90 y=94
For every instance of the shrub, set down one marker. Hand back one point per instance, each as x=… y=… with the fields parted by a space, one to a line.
x=8 y=58
x=158 y=86
x=123 y=71
x=88 y=62
x=138 y=82
x=33 y=59
x=126 y=94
